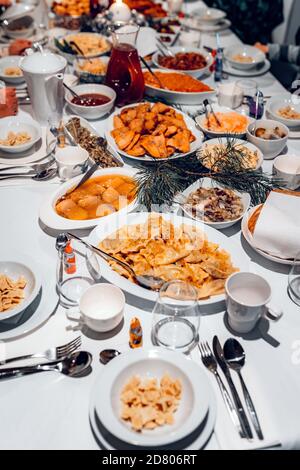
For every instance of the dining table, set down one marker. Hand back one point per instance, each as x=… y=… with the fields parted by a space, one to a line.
x=51 y=411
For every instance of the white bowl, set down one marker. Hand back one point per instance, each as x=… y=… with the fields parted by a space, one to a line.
x=269 y=148
x=251 y=51
x=287 y=168
x=209 y=16
x=278 y=102
x=92 y=112
x=20 y=28
x=178 y=97
x=16 y=124
x=252 y=147
x=209 y=183
x=200 y=120
x=51 y=219
x=15 y=268
x=88 y=77
x=193 y=73
x=10 y=61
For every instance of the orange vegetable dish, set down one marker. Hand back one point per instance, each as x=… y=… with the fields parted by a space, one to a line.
x=97 y=197
x=176 y=82
x=158 y=131
x=231 y=122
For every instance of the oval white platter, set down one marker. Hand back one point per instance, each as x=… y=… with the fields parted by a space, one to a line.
x=51 y=219
x=106 y=228
x=190 y=125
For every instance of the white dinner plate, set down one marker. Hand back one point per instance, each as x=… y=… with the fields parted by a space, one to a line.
x=210 y=183
x=15 y=265
x=81 y=35
x=51 y=219
x=278 y=102
x=249 y=238
x=257 y=71
x=36 y=314
x=154 y=363
x=104 y=228
x=190 y=125
x=194 y=23
x=37 y=152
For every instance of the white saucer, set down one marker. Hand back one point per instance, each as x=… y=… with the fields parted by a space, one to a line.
x=255 y=72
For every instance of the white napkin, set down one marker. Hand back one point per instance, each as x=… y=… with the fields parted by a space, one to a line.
x=277 y=230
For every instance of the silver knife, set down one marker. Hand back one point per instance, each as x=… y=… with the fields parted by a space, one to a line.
x=218 y=352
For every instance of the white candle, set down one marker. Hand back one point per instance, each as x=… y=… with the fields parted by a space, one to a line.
x=120 y=11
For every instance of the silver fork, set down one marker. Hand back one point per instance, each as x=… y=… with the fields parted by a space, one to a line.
x=52 y=354
x=210 y=363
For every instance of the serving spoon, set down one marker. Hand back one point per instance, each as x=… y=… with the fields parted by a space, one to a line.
x=152 y=73
x=75 y=365
x=147 y=281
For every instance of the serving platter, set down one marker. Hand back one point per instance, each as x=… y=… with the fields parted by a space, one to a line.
x=51 y=219
x=178 y=97
x=193 y=73
x=105 y=228
x=191 y=125
x=154 y=362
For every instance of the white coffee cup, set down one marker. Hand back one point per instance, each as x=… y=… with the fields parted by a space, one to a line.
x=248 y=299
x=287 y=168
x=71 y=162
x=101 y=308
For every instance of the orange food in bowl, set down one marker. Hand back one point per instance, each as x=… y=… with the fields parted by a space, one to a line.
x=176 y=82
x=231 y=122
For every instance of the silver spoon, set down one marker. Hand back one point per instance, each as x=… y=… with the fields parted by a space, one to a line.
x=60 y=244
x=44 y=175
x=149 y=282
x=235 y=357
x=107 y=355
x=74 y=365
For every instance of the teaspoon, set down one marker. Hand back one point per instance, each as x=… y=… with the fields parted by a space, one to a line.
x=235 y=357
x=107 y=355
x=75 y=365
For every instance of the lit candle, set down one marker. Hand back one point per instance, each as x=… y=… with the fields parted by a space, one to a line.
x=120 y=11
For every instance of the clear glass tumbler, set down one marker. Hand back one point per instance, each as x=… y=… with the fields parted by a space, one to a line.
x=72 y=279
x=294 y=280
x=176 y=317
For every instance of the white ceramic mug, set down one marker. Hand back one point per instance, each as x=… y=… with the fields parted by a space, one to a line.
x=71 y=162
x=287 y=168
x=101 y=308
x=43 y=72
x=248 y=299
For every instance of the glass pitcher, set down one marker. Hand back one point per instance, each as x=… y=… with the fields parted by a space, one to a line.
x=124 y=73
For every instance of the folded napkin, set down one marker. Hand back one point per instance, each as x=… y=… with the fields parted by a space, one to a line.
x=277 y=229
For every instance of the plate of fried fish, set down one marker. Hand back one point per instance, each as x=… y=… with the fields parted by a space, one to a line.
x=170 y=247
x=151 y=132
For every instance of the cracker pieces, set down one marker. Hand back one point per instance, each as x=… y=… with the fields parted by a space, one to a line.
x=147 y=404
x=11 y=292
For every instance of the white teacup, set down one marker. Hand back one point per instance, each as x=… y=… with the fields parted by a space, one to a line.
x=230 y=95
x=248 y=299
x=287 y=168
x=101 y=308
x=71 y=162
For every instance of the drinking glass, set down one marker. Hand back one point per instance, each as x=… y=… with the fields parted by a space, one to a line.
x=249 y=88
x=124 y=73
x=176 y=317
x=72 y=283
x=294 y=280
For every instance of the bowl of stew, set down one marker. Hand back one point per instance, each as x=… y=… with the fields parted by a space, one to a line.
x=190 y=60
x=93 y=101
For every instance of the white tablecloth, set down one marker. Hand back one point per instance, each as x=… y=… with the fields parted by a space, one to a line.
x=49 y=411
